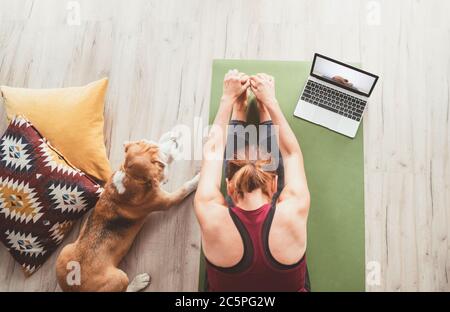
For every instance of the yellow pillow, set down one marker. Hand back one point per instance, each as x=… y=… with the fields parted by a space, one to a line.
x=70 y=118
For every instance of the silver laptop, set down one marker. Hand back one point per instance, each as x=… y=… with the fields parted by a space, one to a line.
x=335 y=95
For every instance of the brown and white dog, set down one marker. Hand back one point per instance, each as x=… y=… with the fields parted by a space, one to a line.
x=132 y=193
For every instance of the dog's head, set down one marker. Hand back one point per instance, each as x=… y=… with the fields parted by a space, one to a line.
x=147 y=161
x=144 y=162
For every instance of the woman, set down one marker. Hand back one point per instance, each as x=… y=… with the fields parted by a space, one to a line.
x=257 y=241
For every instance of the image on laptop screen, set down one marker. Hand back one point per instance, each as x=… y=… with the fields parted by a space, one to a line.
x=343 y=75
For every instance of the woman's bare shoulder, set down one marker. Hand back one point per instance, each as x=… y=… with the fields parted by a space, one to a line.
x=292 y=210
x=211 y=214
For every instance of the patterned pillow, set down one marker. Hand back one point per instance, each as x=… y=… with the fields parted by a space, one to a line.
x=41 y=195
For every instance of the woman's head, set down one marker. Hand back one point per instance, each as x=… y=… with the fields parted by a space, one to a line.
x=246 y=176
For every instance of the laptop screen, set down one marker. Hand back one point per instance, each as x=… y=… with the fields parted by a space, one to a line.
x=343 y=75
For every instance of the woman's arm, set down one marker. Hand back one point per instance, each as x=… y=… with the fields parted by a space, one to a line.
x=296 y=187
x=208 y=191
x=211 y=171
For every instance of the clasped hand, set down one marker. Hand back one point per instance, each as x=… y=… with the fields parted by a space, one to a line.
x=235 y=85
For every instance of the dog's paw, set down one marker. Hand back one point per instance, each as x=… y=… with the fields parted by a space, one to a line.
x=170 y=145
x=166 y=137
x=193 y=183
x=139 y=283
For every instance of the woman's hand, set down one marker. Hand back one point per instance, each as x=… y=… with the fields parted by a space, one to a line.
x=263 y=87
x=235 y=84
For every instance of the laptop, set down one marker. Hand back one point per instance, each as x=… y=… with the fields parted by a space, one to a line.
x=335 y=95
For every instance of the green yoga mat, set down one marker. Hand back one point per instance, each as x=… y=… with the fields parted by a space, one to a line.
x=335 y=172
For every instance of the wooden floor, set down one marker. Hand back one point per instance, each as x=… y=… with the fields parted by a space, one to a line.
x=158 y=56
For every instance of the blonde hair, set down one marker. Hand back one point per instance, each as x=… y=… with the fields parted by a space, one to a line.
x=246 y=176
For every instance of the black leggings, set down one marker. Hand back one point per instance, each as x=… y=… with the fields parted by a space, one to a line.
x=266 y=136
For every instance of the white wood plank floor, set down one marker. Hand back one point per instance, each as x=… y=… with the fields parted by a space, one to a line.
x=158 y=57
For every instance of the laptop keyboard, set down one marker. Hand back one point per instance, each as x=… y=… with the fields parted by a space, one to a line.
x=333 y=100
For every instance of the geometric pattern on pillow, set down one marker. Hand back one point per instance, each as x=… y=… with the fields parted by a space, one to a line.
x=41 y=195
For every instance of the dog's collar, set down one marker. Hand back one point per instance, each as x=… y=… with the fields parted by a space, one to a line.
x=139 y=181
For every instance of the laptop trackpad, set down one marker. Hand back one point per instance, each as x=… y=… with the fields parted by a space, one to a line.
x=305 y=110
x=327 y=118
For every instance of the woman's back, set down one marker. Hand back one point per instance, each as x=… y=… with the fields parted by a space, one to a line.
x=258 y=270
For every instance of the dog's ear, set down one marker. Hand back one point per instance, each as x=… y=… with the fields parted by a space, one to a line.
x=126 y=145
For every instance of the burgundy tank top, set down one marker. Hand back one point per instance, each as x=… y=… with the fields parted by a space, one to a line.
x=258 y=270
